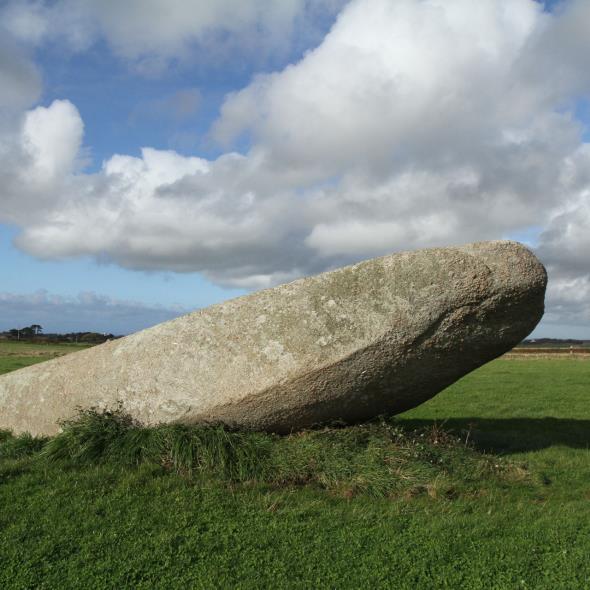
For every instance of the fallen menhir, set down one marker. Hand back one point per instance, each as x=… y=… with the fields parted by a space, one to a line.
x=378 y=337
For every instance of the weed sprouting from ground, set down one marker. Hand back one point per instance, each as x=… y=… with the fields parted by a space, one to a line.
x=378 y=458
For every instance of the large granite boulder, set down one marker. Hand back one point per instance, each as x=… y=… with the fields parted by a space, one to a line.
x=378 y=337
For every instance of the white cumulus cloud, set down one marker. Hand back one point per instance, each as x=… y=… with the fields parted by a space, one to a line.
x=149 y=33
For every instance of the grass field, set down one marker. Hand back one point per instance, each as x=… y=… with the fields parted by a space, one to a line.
x=513 y=511
x=16 y=355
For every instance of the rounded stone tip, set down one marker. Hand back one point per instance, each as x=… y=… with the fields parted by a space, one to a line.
x=512 y=262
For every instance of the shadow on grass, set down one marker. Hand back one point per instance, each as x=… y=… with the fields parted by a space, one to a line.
x=514 y=435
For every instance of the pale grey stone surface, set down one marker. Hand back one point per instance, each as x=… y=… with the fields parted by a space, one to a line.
x=381 y=336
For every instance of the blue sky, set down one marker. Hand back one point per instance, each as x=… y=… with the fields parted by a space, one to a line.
x=120 y=107
x=309 y=156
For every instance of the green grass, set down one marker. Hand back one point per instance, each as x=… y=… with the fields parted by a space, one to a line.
x=503 y=503
x=12 y=363
x=12 y=347
x=378 y=459
x=17 y=355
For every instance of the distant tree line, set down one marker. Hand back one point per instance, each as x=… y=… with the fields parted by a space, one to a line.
x=34 y=333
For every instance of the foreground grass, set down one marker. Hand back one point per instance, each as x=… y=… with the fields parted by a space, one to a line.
x=392 y=504
x=378 y=459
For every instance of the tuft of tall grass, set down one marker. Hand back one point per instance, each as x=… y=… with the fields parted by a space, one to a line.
x=377 y=458
x=214 y=450
x=95 y=436
x=23 y=445
x=100 y=436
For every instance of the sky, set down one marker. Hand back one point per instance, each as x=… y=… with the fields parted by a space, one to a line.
x=158 y=156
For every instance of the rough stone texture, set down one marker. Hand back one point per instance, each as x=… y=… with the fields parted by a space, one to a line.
x=381 y=336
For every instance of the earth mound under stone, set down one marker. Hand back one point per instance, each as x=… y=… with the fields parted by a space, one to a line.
x=378 y=337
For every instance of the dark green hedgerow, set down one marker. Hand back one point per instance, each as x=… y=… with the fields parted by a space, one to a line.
x=378 y=458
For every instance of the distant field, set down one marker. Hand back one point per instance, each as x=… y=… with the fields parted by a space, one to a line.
x=9 y=348
x=577 y=344
x=549 y=352
x=16 y=355
x=104 y=526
